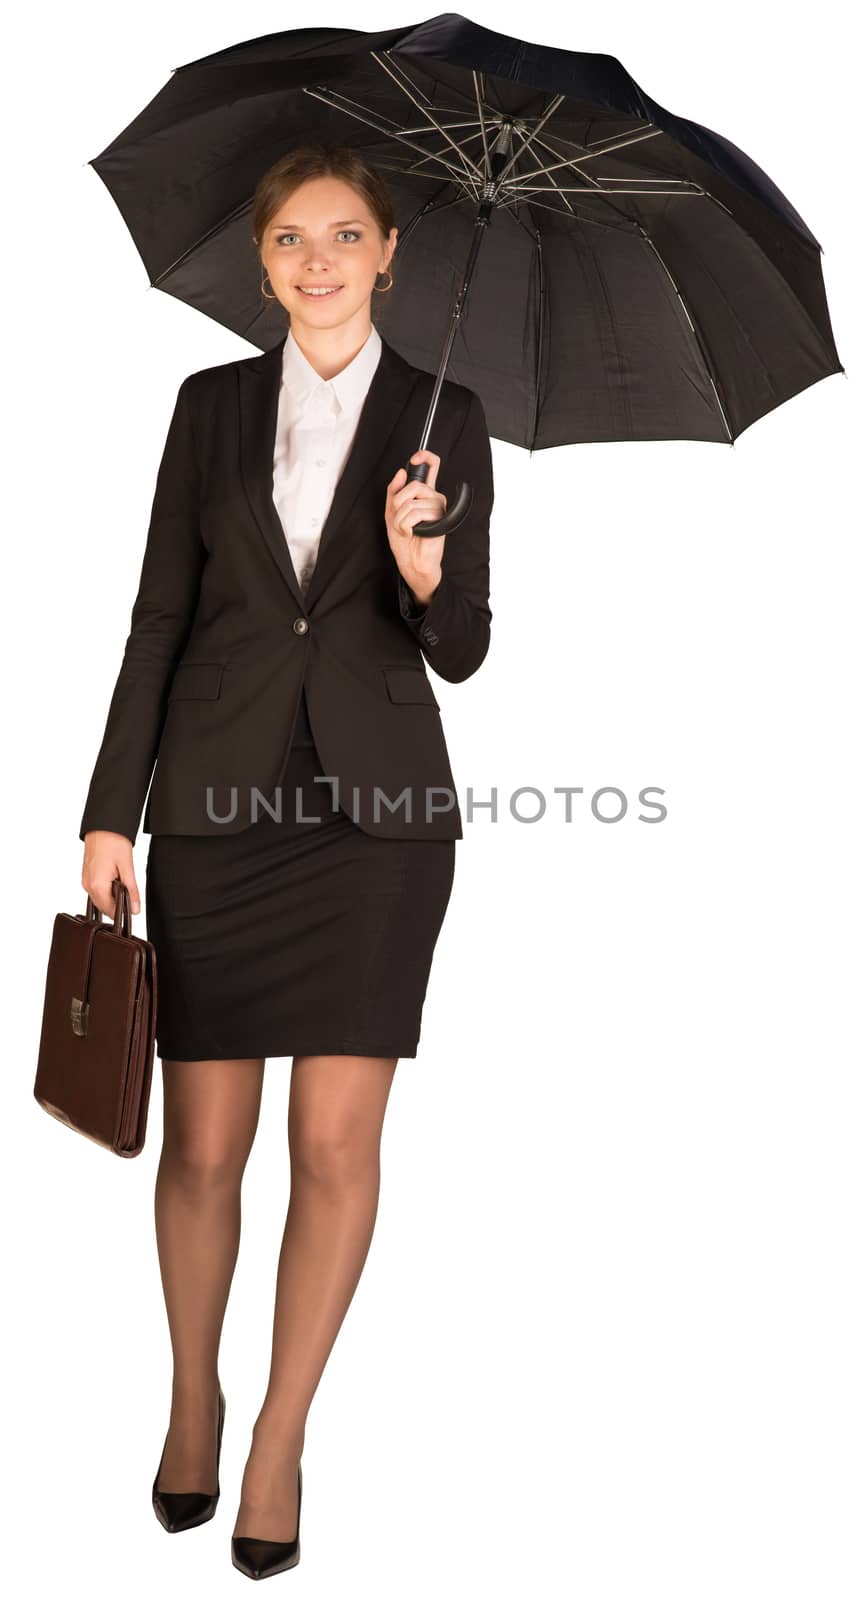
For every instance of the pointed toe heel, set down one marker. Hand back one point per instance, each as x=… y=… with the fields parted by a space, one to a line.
x=263 y=1558
x=178 y=1512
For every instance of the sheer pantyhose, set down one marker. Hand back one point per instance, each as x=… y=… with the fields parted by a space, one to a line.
x=211 y=1108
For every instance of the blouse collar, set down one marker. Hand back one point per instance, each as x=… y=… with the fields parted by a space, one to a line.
x=348 y=388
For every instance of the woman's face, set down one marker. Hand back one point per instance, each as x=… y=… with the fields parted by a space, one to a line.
x=324 y=235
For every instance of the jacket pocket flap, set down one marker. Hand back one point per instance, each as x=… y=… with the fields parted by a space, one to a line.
x=409 y=686
x=197 y=680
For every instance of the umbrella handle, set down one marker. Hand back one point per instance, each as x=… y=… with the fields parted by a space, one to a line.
x=417 y=473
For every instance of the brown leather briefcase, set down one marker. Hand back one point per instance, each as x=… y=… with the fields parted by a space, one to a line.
x=99 y=1027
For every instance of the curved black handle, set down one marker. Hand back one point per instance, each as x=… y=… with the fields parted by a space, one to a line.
x=417 y=473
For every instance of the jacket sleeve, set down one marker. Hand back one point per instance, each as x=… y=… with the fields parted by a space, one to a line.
x=453 y=630
x=162 y=615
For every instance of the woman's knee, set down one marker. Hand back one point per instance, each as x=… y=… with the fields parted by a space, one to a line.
x=201 y=1161
x=209 y=1121
x=335 y=1116
x=332 y=1148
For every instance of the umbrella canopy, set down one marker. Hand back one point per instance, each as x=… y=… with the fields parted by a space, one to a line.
x=640 y=277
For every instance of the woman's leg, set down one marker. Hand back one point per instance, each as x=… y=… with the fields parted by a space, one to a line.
x=336 y=1112
x=210 y=1114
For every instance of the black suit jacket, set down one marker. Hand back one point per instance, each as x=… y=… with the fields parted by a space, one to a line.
x=222 y=640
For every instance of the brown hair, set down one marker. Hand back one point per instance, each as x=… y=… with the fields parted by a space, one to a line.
x=320 y=161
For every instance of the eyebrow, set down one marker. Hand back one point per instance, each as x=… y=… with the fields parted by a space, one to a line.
x=343 y=224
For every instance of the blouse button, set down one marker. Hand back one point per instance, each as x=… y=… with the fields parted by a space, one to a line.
x=300 y=625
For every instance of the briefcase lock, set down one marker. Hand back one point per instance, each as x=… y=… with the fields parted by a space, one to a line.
x=79 y=1012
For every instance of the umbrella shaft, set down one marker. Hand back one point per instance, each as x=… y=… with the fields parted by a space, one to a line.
x=482 y=222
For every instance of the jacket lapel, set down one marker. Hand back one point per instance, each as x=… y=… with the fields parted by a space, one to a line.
x=385 y=401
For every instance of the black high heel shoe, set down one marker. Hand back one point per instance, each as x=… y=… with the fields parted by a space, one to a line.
x=177 y=1512
x=262 y=1558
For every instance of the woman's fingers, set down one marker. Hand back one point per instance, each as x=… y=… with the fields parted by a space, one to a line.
x=106 y=859
x=403 y=490
x=434 y=464
x=421 y=511
x=103 y=897
x=128 y=878
x=411 y=502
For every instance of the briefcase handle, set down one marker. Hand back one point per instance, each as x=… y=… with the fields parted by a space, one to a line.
x=122 y=910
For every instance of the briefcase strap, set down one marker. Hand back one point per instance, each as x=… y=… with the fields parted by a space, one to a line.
x=79 y=1008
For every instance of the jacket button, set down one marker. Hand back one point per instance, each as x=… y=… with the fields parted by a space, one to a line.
x=300 y=625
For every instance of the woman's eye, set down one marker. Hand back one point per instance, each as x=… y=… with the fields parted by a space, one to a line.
x=281 y=237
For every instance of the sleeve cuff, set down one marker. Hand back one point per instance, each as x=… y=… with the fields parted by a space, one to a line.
x=407 y=603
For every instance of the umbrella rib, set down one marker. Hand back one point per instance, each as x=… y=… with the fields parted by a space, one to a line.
x=547 y=171
x=339 y=104
x=522 y=187
x=589 y=153
x=413 y=169
x=386 y=67
x=555 y=188
x=579 y=216
x=599 y=147
x=602 y=147
x=223 y=222
x=425 y=210
x=474 y=135
x=541 y=306
x=397 y=71
x=480 y=105
x=697 y=194
x=693 y=327
x=343 y=101
x=593 y=187
x=464 y=122
x=621 y=143
x=430 y=205
x=526 y=142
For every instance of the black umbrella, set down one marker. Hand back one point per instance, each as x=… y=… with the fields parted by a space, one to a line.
x=645 y=280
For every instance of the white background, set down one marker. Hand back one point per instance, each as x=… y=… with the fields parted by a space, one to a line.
x=609 y=1338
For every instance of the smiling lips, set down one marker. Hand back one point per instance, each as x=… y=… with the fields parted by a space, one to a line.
x=316 y=292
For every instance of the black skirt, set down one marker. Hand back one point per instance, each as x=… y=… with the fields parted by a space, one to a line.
x=294 y=938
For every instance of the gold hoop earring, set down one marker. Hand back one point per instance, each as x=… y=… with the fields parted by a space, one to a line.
x=386 y=286
x=264 y=291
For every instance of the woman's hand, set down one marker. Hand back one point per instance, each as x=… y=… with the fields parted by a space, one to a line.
x=108 y=856
x=419 y=559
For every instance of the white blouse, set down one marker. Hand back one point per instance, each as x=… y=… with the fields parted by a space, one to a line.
x=316 y=423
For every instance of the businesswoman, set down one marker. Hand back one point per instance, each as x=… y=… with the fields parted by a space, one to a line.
x=302 y=811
